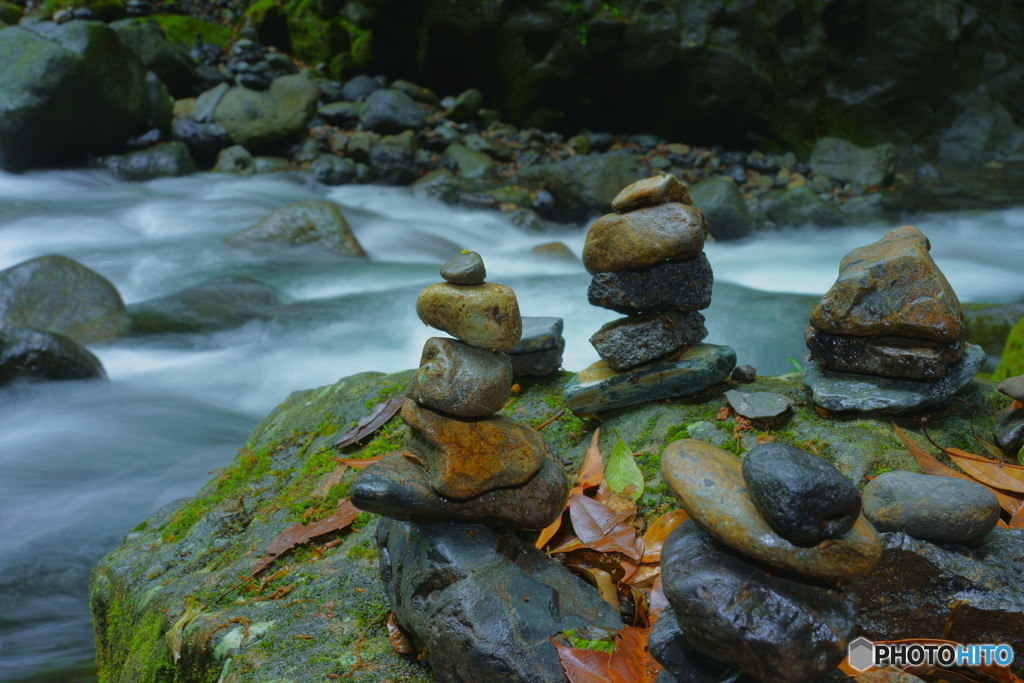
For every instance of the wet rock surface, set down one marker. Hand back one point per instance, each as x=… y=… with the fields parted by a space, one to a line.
x=680 y=661
x=537 y=363
x=31 y=355
x=1013 y=387
x=1009 y=431
x=659 y=189
x=930 y=508
x=466 y=268
x=539 y=334
x=481 y=604
x=883 y=356
x=312 y=222
x=802 y=497
x=644 y=237
x=676 y=286
x=629 y=342
x=214 y=305
x=485 y=316
x=459 y=379
x=760 y=406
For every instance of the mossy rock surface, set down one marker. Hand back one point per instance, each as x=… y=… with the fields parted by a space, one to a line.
x=1012 y=362
x=182 y=29
x=323 y=613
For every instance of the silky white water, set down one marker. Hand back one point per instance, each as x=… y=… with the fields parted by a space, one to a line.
x=83 y=462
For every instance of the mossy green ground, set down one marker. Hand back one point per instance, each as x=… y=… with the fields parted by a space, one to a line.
x=319 y=611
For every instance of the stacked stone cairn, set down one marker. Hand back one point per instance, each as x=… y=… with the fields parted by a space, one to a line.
x=889 y=335
x=756 y=577
x=481 y=603
x=539 y=351
x=648 y=262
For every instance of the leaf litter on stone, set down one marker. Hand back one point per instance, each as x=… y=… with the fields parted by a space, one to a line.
x=369 y=424
x=628 y=662
x=603 y=529
x=591 y=474
x=296 y=534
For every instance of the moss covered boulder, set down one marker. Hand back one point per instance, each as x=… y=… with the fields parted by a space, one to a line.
x=252 y=118
x=1012 y=362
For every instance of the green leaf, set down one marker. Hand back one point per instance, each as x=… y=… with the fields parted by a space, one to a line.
x=587 y=644
x=1020 y=455
x=621 y=471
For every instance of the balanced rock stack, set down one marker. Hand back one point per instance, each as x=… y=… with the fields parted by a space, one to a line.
x=648 y=262
x=889 y=335
x=539 y=351
x=462 y=462
x=754 y=577
x=1009 y=427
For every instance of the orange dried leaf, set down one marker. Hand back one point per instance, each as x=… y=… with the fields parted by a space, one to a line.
x=601 y=580
x=397 y=638
x=659 y=531
x=602 y=529
x=995 y=473
x=303 y=533
x=360 y=464
x=592 y=471
x=548 y=532
x=583 y=666
x=630 y=661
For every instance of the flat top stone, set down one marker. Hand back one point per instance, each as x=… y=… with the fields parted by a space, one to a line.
x=708 y=483
x=539 y=334
x=758 y=405
x=667 y=232
x=891 y=287
x=466 y=268
x=1013 y=387
x=660 y=189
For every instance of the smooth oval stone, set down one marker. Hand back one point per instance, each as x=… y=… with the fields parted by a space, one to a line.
x=1013 y=387
x=485 y=316
x=891 y=287
x=400 y=488
x=628 y=342
x=745 y=374
x=675 y=286
x=466 y=458
x=708 y=484
x=1009 y=431
x=466 y=268
x=803 y=498
x=760 y=406
x=660 y=189
x=669 y=232
x=773 y=628
x=883 y=356
x=460 y=379
x=931 y=508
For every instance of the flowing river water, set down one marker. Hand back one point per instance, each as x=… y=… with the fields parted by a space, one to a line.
x=83 y=462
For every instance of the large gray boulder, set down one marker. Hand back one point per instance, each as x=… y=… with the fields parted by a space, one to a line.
x=67 y=90
x=582 y=186
x=254 y=118
x=313 y=222
x=849 y=163
x=170 y=61
x=32 y=355
x=722 y=202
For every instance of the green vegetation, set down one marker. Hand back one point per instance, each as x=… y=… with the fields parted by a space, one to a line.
x=1012 y=362
x=184 y=29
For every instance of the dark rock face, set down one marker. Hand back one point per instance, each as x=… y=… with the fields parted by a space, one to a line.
x=481 y=604
x=399 y=488
x=938 y=509
x=682 y=661
x=1009 y=431
x=883 y=356
x=215 y=305
x=675 y=286
x=969 y=595
x=27 y=354
x=802 y=497
x=629 y=342
x=391 y=111
x=773 y=628
x=537 y=363
x=56 y=294
x=460 y=379
x=163 y=161
x=204 y=139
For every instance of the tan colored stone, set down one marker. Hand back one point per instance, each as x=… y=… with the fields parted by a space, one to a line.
x=644 y=237
x=708 y=483
x=485 y=316
x=892 y=288
x=467 y=458
x=660 y=189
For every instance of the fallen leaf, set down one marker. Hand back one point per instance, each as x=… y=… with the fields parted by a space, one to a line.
x=601 y=528
x=656 y=534
x=621 y=471
x=657 y=602
x=1017 y=521
x=329 y=481
x=345 y=514
x=175 y=634
x=360 y=464
x=380 y=414
x=583 y=666
x=602 y=580
x=995 y=473
x=628 y=662
x=591 y=474
x=397 y=638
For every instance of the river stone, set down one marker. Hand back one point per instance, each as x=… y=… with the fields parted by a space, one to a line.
x=760 y=406
x=659 y=189
x=56 y=294
x=708 y=483
x=882 y=356
x=485 y=316
x=389 y=111
x=599 y=387
x=848 y=163
x=801 y=206
x=773 y=628
x=891 y=288
x=341 y=114
x=628 y=342
x=471 y=163
x=1009 y=431
x=170 y=61
x=466 y=106
x=744 y=374
x=679 y=659
x=537 y=363
x=847 y=391
x=235 y=159
x=539 y=334
x=310 y=222
x=399 y=488
x=931 y=508
x=673 y=286
x=460 y=379
x=721 y=200
x=483 y=606
x=253 y=118
x=32 y=355
x=803 y=498
x=358 y=88
x=466 y=458
x=669 y=232
x=168 y=160
x=466 y=268
x=218 y=304
x=1013 y=387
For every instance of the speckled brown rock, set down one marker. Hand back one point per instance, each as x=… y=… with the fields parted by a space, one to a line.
x=485 y=316
x=460 y=379
x=659 y=189
x=883 y=356
x=644 y=237
x=891 y=288
x=466 y=458
x=708 y=483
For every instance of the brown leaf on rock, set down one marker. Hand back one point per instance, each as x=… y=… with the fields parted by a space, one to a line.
x=380 y=414
x=656 y=534
x=657 y=602
x=397 y=638
x=591 y=474
x=1017 y=520
x=357 y=464
x=629 y=662
x=583 y=666
x=343 y=516
x=995 y=473
x=329 y=481
x=603 y=529
x=601 y=580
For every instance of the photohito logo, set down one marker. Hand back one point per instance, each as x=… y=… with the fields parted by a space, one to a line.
x=864 y=654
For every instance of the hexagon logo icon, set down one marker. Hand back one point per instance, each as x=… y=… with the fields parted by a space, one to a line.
x=862 y=654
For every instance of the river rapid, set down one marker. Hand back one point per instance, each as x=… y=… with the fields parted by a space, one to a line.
x=83 y=462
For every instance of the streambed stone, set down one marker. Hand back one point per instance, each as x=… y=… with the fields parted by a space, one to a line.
x=760 y=406
x=628 y=342
x=32 y=355
x=847 y=391
x=1009 y=430
x=311 y=222
x=708 y=483
x=460 y=379
x=485 y=316
x=599 y=387
x=1013 y=387
x=803 y=498
x=660 y=189
x=537 y=363
x=466 y=458
x=466 y=268
x=931 y=508
x=770 y=627
x=882 y=356
x=539 y=334
x=680 y=661
x=674 y=286
x=669 y=232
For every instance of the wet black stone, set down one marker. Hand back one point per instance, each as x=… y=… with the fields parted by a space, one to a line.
x=537 y=363
x=1013 y=387
x=767 y=626
x=483 y=605
x=203 y=140
x=679 y=660
x=744 y=373
x=629 y=342
x=539 y=334
x=803 y=498
x=358 y=88
x=677 y=286
x=330 y=169
x=1009 y=431
x=31 y=355
x=391 y=111
x=393 y=164
x=466 y=268
x=882 y=356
